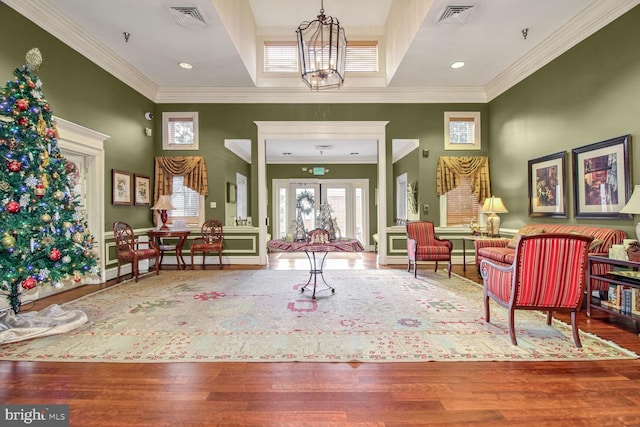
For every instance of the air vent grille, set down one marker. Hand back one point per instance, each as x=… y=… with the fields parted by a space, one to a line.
x=187 y=15
x=456 y=14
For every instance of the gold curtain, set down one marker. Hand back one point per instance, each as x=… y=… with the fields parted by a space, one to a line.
x=477 y=167
x=194 y=170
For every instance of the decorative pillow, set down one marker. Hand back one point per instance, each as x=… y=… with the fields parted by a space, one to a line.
x=594 y=243
x=527 y=230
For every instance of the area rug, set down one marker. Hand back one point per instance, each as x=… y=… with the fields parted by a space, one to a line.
x=261 y=316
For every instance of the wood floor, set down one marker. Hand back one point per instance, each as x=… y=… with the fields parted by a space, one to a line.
x=338 y=394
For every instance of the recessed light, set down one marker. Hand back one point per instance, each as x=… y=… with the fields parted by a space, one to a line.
x=286 y=153
x=354 y=153
x=458 y=64
x=186 y=65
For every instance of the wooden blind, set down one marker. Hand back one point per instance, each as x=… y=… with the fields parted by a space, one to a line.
x=462 y=204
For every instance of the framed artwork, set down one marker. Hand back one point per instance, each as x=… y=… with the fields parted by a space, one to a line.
x=547 y=186
x=121 y=185
x=601 y=178
x=142 y=192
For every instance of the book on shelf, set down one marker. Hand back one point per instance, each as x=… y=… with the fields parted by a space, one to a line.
x=613 y=297
x=626 y=294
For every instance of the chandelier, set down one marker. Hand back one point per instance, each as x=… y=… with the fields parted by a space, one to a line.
x=322 y=48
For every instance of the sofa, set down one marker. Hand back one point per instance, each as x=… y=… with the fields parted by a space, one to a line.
x=502 y=251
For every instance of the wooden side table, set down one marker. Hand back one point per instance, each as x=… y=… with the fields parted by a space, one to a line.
x=181 y=235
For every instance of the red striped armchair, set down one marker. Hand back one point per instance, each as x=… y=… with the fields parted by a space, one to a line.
x=423 y=245
x=548 y=273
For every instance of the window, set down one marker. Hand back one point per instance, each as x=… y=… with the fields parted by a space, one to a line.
x=188 y=204
x=459 y=207
x=180 y=131
x=282 y=57
x=401 y=197
x=462 y=130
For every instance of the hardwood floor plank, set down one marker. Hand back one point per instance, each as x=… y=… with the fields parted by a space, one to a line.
x=588 y=393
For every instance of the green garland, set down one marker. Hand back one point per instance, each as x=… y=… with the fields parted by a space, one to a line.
x=305 y=202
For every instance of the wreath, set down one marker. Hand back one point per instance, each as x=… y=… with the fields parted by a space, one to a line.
x=305 y=202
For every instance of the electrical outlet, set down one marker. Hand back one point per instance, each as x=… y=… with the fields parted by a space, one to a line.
x=213 y=205
x=425 y=208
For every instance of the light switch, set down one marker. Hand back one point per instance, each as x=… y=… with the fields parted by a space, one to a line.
x=425 y=208
x=213 y=205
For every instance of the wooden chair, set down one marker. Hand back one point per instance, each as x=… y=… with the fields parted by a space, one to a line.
x=423 y=245
x=211 y=241
x=548 y=273
x=128 y=249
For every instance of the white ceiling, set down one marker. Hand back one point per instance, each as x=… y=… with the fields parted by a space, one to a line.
x=416 y=49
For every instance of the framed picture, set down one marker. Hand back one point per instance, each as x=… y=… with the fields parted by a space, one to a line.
x=547 y=186
x=142 y=192
x=601 y=178
x=121 y=184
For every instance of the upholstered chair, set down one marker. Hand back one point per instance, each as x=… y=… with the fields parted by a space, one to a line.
x=548 y=273
x=129 y=249
x=210 y=241
x=423 y=245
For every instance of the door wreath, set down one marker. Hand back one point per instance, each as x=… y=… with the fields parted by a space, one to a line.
x=305 y=202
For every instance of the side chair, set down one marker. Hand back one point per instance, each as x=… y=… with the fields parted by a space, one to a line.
x=548 y=273
x=128 y=249
x=210 y=241
x=423 y=245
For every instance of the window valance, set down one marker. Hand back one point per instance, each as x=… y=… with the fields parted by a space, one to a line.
x=194 y=170
x=476 y=167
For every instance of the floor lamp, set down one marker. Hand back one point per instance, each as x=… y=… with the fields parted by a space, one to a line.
x=492 y=206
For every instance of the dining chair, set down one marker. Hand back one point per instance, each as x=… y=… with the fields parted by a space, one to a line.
x=129 y=249
x=210 y=241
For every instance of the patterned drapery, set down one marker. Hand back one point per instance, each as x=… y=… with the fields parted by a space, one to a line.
x=476 y=167
x=194 y=170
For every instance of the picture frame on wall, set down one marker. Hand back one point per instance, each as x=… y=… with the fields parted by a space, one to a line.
x=547 y=186
x=601 y=178
x=121 y=183
x=142 y=192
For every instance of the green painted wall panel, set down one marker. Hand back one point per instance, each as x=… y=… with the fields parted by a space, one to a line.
x=589 y=94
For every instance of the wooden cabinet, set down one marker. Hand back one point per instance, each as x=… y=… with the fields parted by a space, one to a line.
x=618 y=283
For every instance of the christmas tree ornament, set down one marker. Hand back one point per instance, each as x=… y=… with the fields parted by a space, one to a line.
x=22 y=104
x=45 y=217
x=58 y=195
x=40 y=190
x=57 y=285
x=29 y=283
x=66 y=225
x=55 y=254
x=66 y=259
x=13 y=207
x=78 y=237
x=8 y=241
x=15 y=166
x=33 y=59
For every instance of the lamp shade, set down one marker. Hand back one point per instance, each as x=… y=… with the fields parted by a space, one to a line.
x=633 y=205
x=494 y=205
x=163 y=203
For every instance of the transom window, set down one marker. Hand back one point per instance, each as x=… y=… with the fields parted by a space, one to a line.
x=462 y=130
x=180 y=131
x=282 y=57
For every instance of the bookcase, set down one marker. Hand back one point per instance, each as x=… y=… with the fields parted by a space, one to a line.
x=624 y=287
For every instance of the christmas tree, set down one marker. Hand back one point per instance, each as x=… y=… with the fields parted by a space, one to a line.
x=43 y=229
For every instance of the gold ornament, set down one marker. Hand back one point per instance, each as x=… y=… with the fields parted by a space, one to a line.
x=44 y=158
x=8 y=241
x=67 y=224
x=58 y=195
x=42 y=126
x=77 y=237
x=34 y=59
x=45 y=217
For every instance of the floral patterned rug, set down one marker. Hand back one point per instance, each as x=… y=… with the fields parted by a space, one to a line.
x=261 y=315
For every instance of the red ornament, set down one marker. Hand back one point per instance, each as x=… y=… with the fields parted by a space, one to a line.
x=55 y=254
x=22 y=104
x=13 y=207
x=22 y=121
x=29 y=283
x=51 y=133
x=15 y=166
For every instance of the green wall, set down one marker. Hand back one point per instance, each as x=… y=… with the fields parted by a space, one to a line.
x=589 y=94
x=83 y=93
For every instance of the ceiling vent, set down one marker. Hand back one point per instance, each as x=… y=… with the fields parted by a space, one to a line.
x=187 y=15
x=456 y=14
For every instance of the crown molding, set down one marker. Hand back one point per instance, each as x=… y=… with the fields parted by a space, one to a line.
x=50 y=19
x=343 y=95
x=593 y=18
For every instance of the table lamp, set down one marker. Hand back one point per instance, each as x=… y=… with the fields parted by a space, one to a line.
x=633 y=207
x=163 y=204
x=492 y=206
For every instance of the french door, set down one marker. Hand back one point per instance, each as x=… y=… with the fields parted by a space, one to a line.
x=348 y=200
